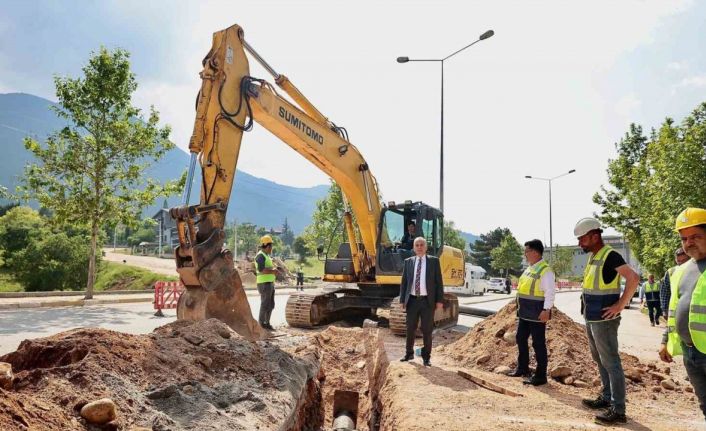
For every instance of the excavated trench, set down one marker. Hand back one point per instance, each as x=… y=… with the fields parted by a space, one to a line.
x=346 y=393
x=198 y=376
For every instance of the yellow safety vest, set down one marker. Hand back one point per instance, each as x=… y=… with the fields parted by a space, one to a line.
x=265 y=278
x=697 y=314
x=652 y=291
x=597 y=294
x=530 y=296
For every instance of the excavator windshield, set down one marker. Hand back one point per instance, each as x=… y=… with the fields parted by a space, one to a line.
x=399 y=226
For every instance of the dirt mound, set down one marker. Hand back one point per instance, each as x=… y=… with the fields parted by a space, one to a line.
x=352 y=360
x=182 y=376
x=491 y=344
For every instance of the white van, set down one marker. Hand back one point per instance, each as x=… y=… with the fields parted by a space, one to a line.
x=474 y=282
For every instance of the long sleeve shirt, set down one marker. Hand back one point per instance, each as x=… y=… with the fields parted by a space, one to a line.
x=548 y=285
x=665 y=292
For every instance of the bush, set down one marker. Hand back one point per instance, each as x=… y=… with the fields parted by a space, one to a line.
x=54 y=262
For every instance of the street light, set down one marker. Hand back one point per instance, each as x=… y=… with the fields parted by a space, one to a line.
x=483 y=36
x=549 y=181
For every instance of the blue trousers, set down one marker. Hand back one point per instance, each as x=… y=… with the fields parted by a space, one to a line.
x=603 y=341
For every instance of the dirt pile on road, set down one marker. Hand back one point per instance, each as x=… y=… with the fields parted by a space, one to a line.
x=183 y=376
x=353 y=364
x=491 y=345
x=246 y=270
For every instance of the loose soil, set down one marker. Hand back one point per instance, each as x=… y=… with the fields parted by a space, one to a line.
x=183 y=376
x=419 y=398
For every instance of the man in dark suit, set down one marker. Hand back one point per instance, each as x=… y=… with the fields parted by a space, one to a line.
x=421 y=292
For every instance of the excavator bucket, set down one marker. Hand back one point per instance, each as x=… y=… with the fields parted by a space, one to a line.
x=221 y=296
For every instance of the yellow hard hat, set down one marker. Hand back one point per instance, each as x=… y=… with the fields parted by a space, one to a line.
x=690 y=217
x=265 y=241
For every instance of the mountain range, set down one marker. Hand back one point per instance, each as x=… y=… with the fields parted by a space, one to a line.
x=23 y=115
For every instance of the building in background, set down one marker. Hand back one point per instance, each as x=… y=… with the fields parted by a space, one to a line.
x=619 y=244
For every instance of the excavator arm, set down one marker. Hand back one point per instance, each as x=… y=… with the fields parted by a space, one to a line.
x=227 y=104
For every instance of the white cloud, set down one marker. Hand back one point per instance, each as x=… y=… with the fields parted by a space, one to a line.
x=697 y=81
x=627 y=105
x=677 y=65
x=523 y=102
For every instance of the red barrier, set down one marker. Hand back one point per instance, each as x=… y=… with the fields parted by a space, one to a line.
x=166 y=295
x=568 y=284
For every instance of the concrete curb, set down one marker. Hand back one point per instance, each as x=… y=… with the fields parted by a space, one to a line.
x=72 y=303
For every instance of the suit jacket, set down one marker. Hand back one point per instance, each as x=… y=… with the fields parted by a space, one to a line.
x=435 y=284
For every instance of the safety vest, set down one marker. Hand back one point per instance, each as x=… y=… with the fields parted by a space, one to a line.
x=652 y=291
x=597 y=294
x=530 y=296
x=697 y=314
x=265 y=278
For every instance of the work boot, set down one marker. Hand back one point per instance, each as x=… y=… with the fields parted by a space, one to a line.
x=652 y=323
x=535 y=381
x=610 y=416
x=598 y=403
x=519 y=373
x=427 y=363
x=407 y=358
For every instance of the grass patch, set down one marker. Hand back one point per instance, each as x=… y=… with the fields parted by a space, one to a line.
x=313 y=267
x=8 y=282
x=118 y=276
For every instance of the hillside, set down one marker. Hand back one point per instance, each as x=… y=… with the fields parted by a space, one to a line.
x=24 y=115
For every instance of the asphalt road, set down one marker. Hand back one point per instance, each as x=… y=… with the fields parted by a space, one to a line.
x=636 y=336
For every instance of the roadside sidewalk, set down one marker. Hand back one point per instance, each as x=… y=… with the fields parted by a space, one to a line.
x=100 y=298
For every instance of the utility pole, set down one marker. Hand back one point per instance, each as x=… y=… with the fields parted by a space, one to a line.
x=235 y=240
x=161 y=215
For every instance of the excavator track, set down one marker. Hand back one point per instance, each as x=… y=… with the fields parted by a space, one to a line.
x=307 y=310
x=444 y=318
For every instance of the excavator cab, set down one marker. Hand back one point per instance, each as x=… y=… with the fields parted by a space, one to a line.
x=394 y=221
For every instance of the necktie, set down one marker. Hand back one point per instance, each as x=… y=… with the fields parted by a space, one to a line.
x=418 y=277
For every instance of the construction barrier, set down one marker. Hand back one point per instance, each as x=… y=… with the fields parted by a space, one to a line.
x=166 y=295
x=568 y=284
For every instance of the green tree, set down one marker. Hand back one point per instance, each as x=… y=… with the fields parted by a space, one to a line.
x=146 y=232
x=301 y=249
x=562 y=261
x=287 y=234
x=481 y=248
x=508 y=256
x=326 y=226
x=18 y=228
x=54 y=261
x=452 y=236
x=651 y=181
x=93 y=170
x=248 y=239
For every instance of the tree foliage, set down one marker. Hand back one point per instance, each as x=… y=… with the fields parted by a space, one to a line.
x=651 y=181
x=452 y=236
x=301 y=248
x=326 y=226
x=508 y=256
x=481 y=248
x=43 y=256
x=91 y=172
x=562 y=261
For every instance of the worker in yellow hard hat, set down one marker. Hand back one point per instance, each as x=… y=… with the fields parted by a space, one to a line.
x=602 y=303
x=266 y=275
x=686 y=322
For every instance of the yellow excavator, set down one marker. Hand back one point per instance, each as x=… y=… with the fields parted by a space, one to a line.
x=365 y=272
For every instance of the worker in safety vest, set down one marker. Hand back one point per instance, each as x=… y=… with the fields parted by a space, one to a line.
x=535 y=298
x=665 y=289
x=602 y=304
x=649 y=295
x=686 y=324
x=266 y=274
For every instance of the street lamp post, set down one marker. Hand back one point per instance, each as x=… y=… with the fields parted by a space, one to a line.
x=549 y=181
x=483 y=36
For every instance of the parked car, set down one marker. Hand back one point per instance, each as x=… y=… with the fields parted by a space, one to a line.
x=497 y=284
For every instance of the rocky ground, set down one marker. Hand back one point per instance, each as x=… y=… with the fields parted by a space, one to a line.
x=203 y=376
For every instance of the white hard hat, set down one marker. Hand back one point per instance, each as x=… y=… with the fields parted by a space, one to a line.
x=585 y=225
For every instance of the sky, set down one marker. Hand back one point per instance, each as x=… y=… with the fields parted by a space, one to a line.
x=554 y=89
